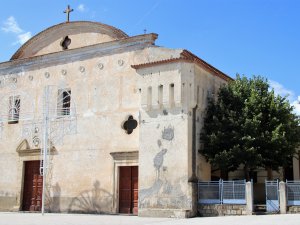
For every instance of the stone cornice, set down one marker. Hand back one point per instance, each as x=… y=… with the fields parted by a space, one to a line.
x=34 y=152
x=24 y=149
x=106 y=48
x=117 y=156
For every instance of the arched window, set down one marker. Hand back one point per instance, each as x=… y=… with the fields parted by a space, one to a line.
x=14 y=109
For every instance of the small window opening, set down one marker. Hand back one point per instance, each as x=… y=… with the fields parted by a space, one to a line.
x=171 y=95
x=160 y=95
x=65 y=43
x=149 y=97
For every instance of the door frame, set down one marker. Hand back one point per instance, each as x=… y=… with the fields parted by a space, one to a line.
x=21 y=179
x=121 y=159
x=26 y=153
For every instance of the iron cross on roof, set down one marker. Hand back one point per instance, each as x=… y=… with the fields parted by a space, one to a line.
x=68 y=11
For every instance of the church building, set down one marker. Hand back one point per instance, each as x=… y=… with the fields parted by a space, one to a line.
x=97 y=121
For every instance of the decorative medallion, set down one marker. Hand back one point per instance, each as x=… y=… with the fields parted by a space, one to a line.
x=36 y=141
x=81 y=69
x=100 y=66
x=130 y=124
x=47 y=74
x=30 y=78
x=64 y=72
x=36 y=130
x=120 y=62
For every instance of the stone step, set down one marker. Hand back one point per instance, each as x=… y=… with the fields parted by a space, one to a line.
x=260 y=208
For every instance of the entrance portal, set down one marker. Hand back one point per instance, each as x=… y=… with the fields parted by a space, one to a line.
x=128 y=189
x=33 y=187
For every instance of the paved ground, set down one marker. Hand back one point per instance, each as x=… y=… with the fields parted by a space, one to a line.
x=78 y=219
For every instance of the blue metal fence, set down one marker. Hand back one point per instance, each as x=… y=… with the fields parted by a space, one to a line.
x=234 y=192
x=222 y=192
x=293 y=192
x=209 y=192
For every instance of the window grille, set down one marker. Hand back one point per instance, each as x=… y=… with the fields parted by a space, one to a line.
x=64 y=102
x=14 y=109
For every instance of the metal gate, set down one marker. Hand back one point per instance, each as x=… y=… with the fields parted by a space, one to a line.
x=272 y=196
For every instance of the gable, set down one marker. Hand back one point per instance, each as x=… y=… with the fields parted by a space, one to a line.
x=80 y=34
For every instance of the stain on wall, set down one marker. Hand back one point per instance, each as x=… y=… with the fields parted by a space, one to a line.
x=165 y=194
x=159 y=143
x=168 y=133
x=158 y=161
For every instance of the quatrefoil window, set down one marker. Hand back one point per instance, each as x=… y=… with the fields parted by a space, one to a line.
x=130 y=124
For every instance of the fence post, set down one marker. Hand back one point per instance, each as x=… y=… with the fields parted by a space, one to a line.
x=221 y=191
x=249 y=198
x=282 y=197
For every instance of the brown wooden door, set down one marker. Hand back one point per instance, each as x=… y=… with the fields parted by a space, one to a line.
x=128 y=189
x=135 y=188
x=33 y=186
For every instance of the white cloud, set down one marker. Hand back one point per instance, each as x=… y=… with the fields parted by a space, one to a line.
x=281 y=90
x=296 y=104
x=22 y=38
x=10 y=25
x=81 y=8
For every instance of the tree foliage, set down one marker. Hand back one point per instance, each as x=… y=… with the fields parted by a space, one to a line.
x=248 y=124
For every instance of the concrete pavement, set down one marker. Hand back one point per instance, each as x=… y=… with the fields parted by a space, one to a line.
x=84 y=219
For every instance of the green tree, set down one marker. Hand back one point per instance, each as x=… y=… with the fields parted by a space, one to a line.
x=248 y=124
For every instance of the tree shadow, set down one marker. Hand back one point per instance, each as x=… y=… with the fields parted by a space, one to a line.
x=52 y=201
x=96 y=200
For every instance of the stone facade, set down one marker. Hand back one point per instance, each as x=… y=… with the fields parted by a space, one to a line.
x=293 y=209
x=109 y=77
x=222 y=210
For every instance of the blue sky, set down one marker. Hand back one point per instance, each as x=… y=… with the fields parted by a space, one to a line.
x=250 y=37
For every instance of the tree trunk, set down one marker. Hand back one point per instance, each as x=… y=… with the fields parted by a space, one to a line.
x=270 y=173
x=246 y=171
x=224 y=174
x=284 y=172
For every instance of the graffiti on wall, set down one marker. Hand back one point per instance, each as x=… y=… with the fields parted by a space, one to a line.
x=168 y=133
x=164 y=192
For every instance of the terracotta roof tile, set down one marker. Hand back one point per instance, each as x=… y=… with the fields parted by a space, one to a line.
x=187 y=56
